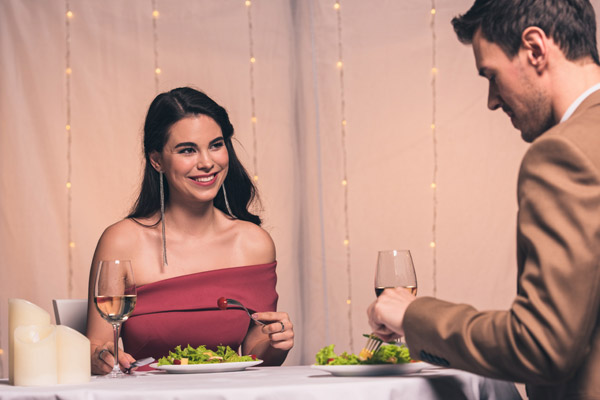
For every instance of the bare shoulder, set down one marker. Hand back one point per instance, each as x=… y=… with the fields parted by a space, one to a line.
x=255 y=243
x=119 y=239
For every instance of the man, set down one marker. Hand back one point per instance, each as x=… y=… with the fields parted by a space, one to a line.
x=541 y=61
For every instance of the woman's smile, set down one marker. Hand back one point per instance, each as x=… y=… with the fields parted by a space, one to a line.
x=204 y=180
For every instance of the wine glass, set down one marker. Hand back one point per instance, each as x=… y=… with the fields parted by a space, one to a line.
x=115 y=296
x=395 y=269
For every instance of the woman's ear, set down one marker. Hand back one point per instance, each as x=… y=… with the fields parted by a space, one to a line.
x=155 y=160
x=535 y=42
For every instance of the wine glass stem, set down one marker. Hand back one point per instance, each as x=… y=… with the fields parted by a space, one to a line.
x=116 y=368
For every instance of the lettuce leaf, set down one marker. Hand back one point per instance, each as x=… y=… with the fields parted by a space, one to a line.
x=202 y=355
x=386 y=354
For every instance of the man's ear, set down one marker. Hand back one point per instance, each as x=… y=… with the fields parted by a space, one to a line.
x=155 y=160
x=535 y=42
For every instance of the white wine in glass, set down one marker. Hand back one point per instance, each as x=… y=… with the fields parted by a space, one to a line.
x=395 y=269
x=115 y=295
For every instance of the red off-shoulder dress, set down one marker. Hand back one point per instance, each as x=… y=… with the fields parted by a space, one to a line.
x=183 y=310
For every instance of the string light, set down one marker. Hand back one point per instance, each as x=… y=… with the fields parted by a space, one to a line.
x=68 y=71
x=252 y=97
x=434 y=72
x=157 y=70
x=339 y=65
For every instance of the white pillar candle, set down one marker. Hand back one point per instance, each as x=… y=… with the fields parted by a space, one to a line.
x=35 y=355
x=73 y=349
x=22 y=312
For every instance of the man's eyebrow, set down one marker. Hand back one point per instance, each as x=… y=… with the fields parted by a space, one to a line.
x=186 y=144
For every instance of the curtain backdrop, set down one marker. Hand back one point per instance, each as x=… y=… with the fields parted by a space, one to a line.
x=387 y=151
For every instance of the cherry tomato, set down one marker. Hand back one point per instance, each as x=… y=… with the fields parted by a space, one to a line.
x=253 y=356
x=222 y=303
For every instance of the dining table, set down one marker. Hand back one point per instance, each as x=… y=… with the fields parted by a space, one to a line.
x=265 y=383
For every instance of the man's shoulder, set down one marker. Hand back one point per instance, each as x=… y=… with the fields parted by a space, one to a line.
x=580 y=133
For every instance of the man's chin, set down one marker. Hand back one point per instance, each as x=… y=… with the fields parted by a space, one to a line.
x=528 y=136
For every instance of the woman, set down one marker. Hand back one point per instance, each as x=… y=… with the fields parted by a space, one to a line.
x=191 y=240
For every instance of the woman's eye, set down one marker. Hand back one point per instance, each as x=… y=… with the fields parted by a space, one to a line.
x=218 y=145
x=186 y=150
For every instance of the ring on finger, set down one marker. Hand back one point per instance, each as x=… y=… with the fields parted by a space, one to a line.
x=282 y=327
x=102 y=352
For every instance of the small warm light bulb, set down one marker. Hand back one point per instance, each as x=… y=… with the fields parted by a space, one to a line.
x=69 y=14
x=157 y=71
x=336 y=6
x=434 y=70
x=432 y=244
x=68 y=185
x=344 y=122
x=348 y=301
x=255 y=178
x=433 y=185
x=71 y=244
x=68 y=127
x=155 y=13
x=68 y=71
x=339 y=64
x=254 y=120
x=432 y=11
x=432 y=126
x=248 y=3
x=344 y=182
x=346 y=242
x=252 y=60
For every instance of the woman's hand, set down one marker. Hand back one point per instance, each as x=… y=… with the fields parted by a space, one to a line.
x=103 y=359
x=278 y=327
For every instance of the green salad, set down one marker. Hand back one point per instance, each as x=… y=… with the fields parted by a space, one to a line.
x=202 y=355
x=386 y=354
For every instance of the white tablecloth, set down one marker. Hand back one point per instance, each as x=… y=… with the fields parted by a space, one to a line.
x=288 y=383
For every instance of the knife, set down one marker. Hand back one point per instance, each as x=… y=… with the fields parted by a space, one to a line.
x=139 y=363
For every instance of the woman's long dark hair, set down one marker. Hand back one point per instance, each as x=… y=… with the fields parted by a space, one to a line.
x=168 y=108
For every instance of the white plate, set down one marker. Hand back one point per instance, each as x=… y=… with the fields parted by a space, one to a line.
x=372 y=369
x=203 y=368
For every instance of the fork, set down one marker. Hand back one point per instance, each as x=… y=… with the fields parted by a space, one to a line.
x=237 y=303
x=373 y=344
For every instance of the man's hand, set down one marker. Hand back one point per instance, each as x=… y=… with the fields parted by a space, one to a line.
x=386 y=314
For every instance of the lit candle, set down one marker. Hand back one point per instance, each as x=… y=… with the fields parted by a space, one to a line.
x=73 y=356
x=22 y=312
x=35 y=355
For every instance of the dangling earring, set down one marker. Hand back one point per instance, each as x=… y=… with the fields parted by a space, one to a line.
x=162 y=219
x=226 y=201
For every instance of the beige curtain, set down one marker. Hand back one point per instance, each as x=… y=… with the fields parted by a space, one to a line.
x=388 y=151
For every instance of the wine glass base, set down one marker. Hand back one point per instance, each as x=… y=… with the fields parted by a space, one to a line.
x=115 y=376
x=116 y=373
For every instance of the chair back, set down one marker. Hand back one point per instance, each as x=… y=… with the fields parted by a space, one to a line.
x=71 y=313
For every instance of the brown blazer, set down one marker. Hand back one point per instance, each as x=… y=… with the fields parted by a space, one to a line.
x=550 y=337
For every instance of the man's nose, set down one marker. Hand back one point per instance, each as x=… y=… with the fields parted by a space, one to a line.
x=494 y=101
